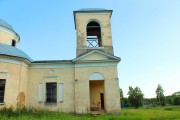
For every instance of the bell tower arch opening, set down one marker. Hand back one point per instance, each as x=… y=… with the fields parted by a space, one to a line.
x=93 y=31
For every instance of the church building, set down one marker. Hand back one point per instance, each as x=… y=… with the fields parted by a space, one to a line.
x=86 y=83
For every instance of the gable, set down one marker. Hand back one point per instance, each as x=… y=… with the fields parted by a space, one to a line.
x=96 y=55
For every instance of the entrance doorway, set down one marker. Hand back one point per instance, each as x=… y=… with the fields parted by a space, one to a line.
x=102 y=100
x=96 y=95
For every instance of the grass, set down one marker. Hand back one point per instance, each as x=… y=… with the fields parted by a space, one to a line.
x=154 y=113
x=144 y=113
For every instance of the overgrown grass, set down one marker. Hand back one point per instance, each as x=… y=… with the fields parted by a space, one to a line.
x=144 y=113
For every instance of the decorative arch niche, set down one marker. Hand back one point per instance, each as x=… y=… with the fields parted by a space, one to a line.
x=96 y=76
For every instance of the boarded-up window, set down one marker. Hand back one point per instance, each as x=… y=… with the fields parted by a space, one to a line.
x=2 y=90
x=61 y=92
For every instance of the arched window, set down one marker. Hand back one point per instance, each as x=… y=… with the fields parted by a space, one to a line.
x=93 y=34
x=13 y=43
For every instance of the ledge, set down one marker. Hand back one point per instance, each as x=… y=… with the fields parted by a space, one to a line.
x=1 y=103
x=50 y=104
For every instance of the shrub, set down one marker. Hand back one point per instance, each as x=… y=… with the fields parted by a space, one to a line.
x=176 y=100
x=169 y=108
x=154 y=104
x=169 y=101
x=11 y=111
x=163 y=101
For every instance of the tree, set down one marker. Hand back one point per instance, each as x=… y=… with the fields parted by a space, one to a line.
x=169 y=100
x=176 y=98
x=121 y=96
x=176 y=94
x=160 y=95
x=124 y=101
x=135 y=97
x=121 y=93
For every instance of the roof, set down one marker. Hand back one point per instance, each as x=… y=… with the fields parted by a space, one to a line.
x=51 y=61
x=5 y=24
x=91 y=10
x=13 y=51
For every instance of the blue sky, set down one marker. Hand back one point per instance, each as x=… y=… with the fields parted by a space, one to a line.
x=146 y=35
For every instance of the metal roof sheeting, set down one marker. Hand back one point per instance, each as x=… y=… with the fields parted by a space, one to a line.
x=91 y=9
x=5 y=24
x=13 y=51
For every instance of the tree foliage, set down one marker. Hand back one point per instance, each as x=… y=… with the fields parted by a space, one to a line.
x=135 y=97
x=176 y=98
x=124 y=101
x=121 y=96
x=121 y=93
x=160 y=95
x=176 y=94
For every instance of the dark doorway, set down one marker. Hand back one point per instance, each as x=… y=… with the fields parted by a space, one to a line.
x=102 y=100
x=96 y=95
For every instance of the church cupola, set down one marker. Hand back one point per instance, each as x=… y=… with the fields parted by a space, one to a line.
x=93 y=29
x=7 y=34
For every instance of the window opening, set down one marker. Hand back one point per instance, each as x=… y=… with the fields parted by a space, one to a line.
x=93 y=34
x=13 y=43
x=51 y=92
x=2 y=90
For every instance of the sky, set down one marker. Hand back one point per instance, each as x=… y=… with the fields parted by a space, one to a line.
x=146 y=36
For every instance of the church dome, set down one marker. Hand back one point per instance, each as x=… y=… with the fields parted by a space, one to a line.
x=5 y=24
x=13 y=51
x=7 y=33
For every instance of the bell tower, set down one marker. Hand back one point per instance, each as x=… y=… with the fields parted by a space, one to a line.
x=93 y=29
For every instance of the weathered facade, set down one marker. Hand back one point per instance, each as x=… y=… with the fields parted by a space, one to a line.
x=81 y=85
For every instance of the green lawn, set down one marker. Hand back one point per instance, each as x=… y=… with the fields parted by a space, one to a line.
x=153 y=113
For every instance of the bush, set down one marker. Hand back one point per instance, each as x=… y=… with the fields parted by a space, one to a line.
x=169 y=108
x=176 y=100
x=169 y=101
x=154 y=104
x=11 y=111
x=163 y=101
